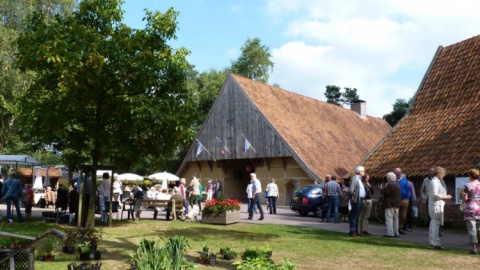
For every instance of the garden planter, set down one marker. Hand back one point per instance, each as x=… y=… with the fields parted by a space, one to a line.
x=97 y=255
x=49 y=259
x=222 y=218
x=212 y=261
x=202 y=261
x=85 y=256
x=84 y=266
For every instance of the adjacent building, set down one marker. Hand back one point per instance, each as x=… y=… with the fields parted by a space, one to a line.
x=440 y=128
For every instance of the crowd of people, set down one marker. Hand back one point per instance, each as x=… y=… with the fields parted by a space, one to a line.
x=351 y=204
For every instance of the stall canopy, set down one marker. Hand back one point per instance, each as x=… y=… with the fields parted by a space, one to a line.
x=18 y=160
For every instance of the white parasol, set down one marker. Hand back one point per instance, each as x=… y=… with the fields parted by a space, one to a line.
x=37 y=184
x=165 y=177
x=130 y=176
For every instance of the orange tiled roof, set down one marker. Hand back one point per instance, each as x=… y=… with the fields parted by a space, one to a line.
x=27 y=172
x=441 y=127
x=328 y=138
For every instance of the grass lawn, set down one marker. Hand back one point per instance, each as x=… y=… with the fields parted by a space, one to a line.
x=307 y=248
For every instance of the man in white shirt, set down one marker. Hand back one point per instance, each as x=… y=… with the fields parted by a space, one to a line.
x=357 y=194
x=256 y=195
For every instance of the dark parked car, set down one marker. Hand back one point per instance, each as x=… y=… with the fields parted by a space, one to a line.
x=307 y=199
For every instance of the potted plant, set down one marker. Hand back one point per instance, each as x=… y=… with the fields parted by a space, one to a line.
x=91 y=234
x=69 y=242
x=205 y=248
x=221 y=211
x=212 y=258
x=267 y=250
x=85 y=249
x=47 y=249
x=84 y=266
x=203 y=255
x=227 y=253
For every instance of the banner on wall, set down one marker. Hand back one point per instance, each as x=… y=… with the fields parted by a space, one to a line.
x=460 y=183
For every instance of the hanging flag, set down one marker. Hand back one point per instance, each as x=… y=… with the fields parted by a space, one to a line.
x=248 y=145
x=224 y=148
x=199 y=148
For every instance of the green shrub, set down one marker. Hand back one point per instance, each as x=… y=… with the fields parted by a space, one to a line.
x=262 y=263
x=150 y=255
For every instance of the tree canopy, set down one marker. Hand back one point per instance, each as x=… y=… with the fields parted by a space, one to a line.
x=12 y=81
x=254 y=62
x=335 y=95
x=104 y=92
x=400 y=108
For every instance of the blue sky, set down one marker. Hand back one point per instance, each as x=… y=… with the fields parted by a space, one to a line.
x=380 y=47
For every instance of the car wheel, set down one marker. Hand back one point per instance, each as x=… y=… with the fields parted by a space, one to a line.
x=318 y=211
x=303 y=212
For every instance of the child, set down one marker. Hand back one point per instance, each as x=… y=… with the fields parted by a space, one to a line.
x=28 y=201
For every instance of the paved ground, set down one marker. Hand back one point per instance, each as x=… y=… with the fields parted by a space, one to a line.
x=288 y=217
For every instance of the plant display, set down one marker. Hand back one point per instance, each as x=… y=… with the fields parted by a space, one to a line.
x=48 y=247
x=170 y=256
x=260 y=258
x=84 y=247
x=228 y=253
x=220 y=205
x=263 y=263
x=84 y=266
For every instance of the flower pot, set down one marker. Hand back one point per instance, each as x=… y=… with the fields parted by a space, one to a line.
x=84 y=256
x=201 y=260
x=212 y=261
x=97 y=255
x=71 y=250
x=222 y=218
x=49 y=259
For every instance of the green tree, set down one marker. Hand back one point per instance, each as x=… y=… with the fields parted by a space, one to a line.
x=104 y=92
x=254 y=62
x=12 y=81
x=335 y=95
x=400 y=108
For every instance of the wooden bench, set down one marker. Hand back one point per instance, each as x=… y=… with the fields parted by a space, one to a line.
x=151 y=205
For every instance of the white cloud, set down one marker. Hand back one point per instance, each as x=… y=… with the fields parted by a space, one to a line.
x=372 y=45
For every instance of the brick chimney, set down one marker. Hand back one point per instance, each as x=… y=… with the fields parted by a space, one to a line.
x=360 y=107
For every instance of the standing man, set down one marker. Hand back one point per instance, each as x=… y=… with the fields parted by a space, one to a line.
x=195 y=184
x=256 y=194
x=405 y=189
x=218 y=188
x=426 y=189
x=250 y=197
x=411 y=202
x=332 y=189
x=200 y=196
x=11 y=191
x=357 y=194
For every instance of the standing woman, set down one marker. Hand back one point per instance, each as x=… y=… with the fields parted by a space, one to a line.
x=104 y=195
x=367 y=205
x=471 y=212
x=272 y=195
x=209 y=190
x=436 y=204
